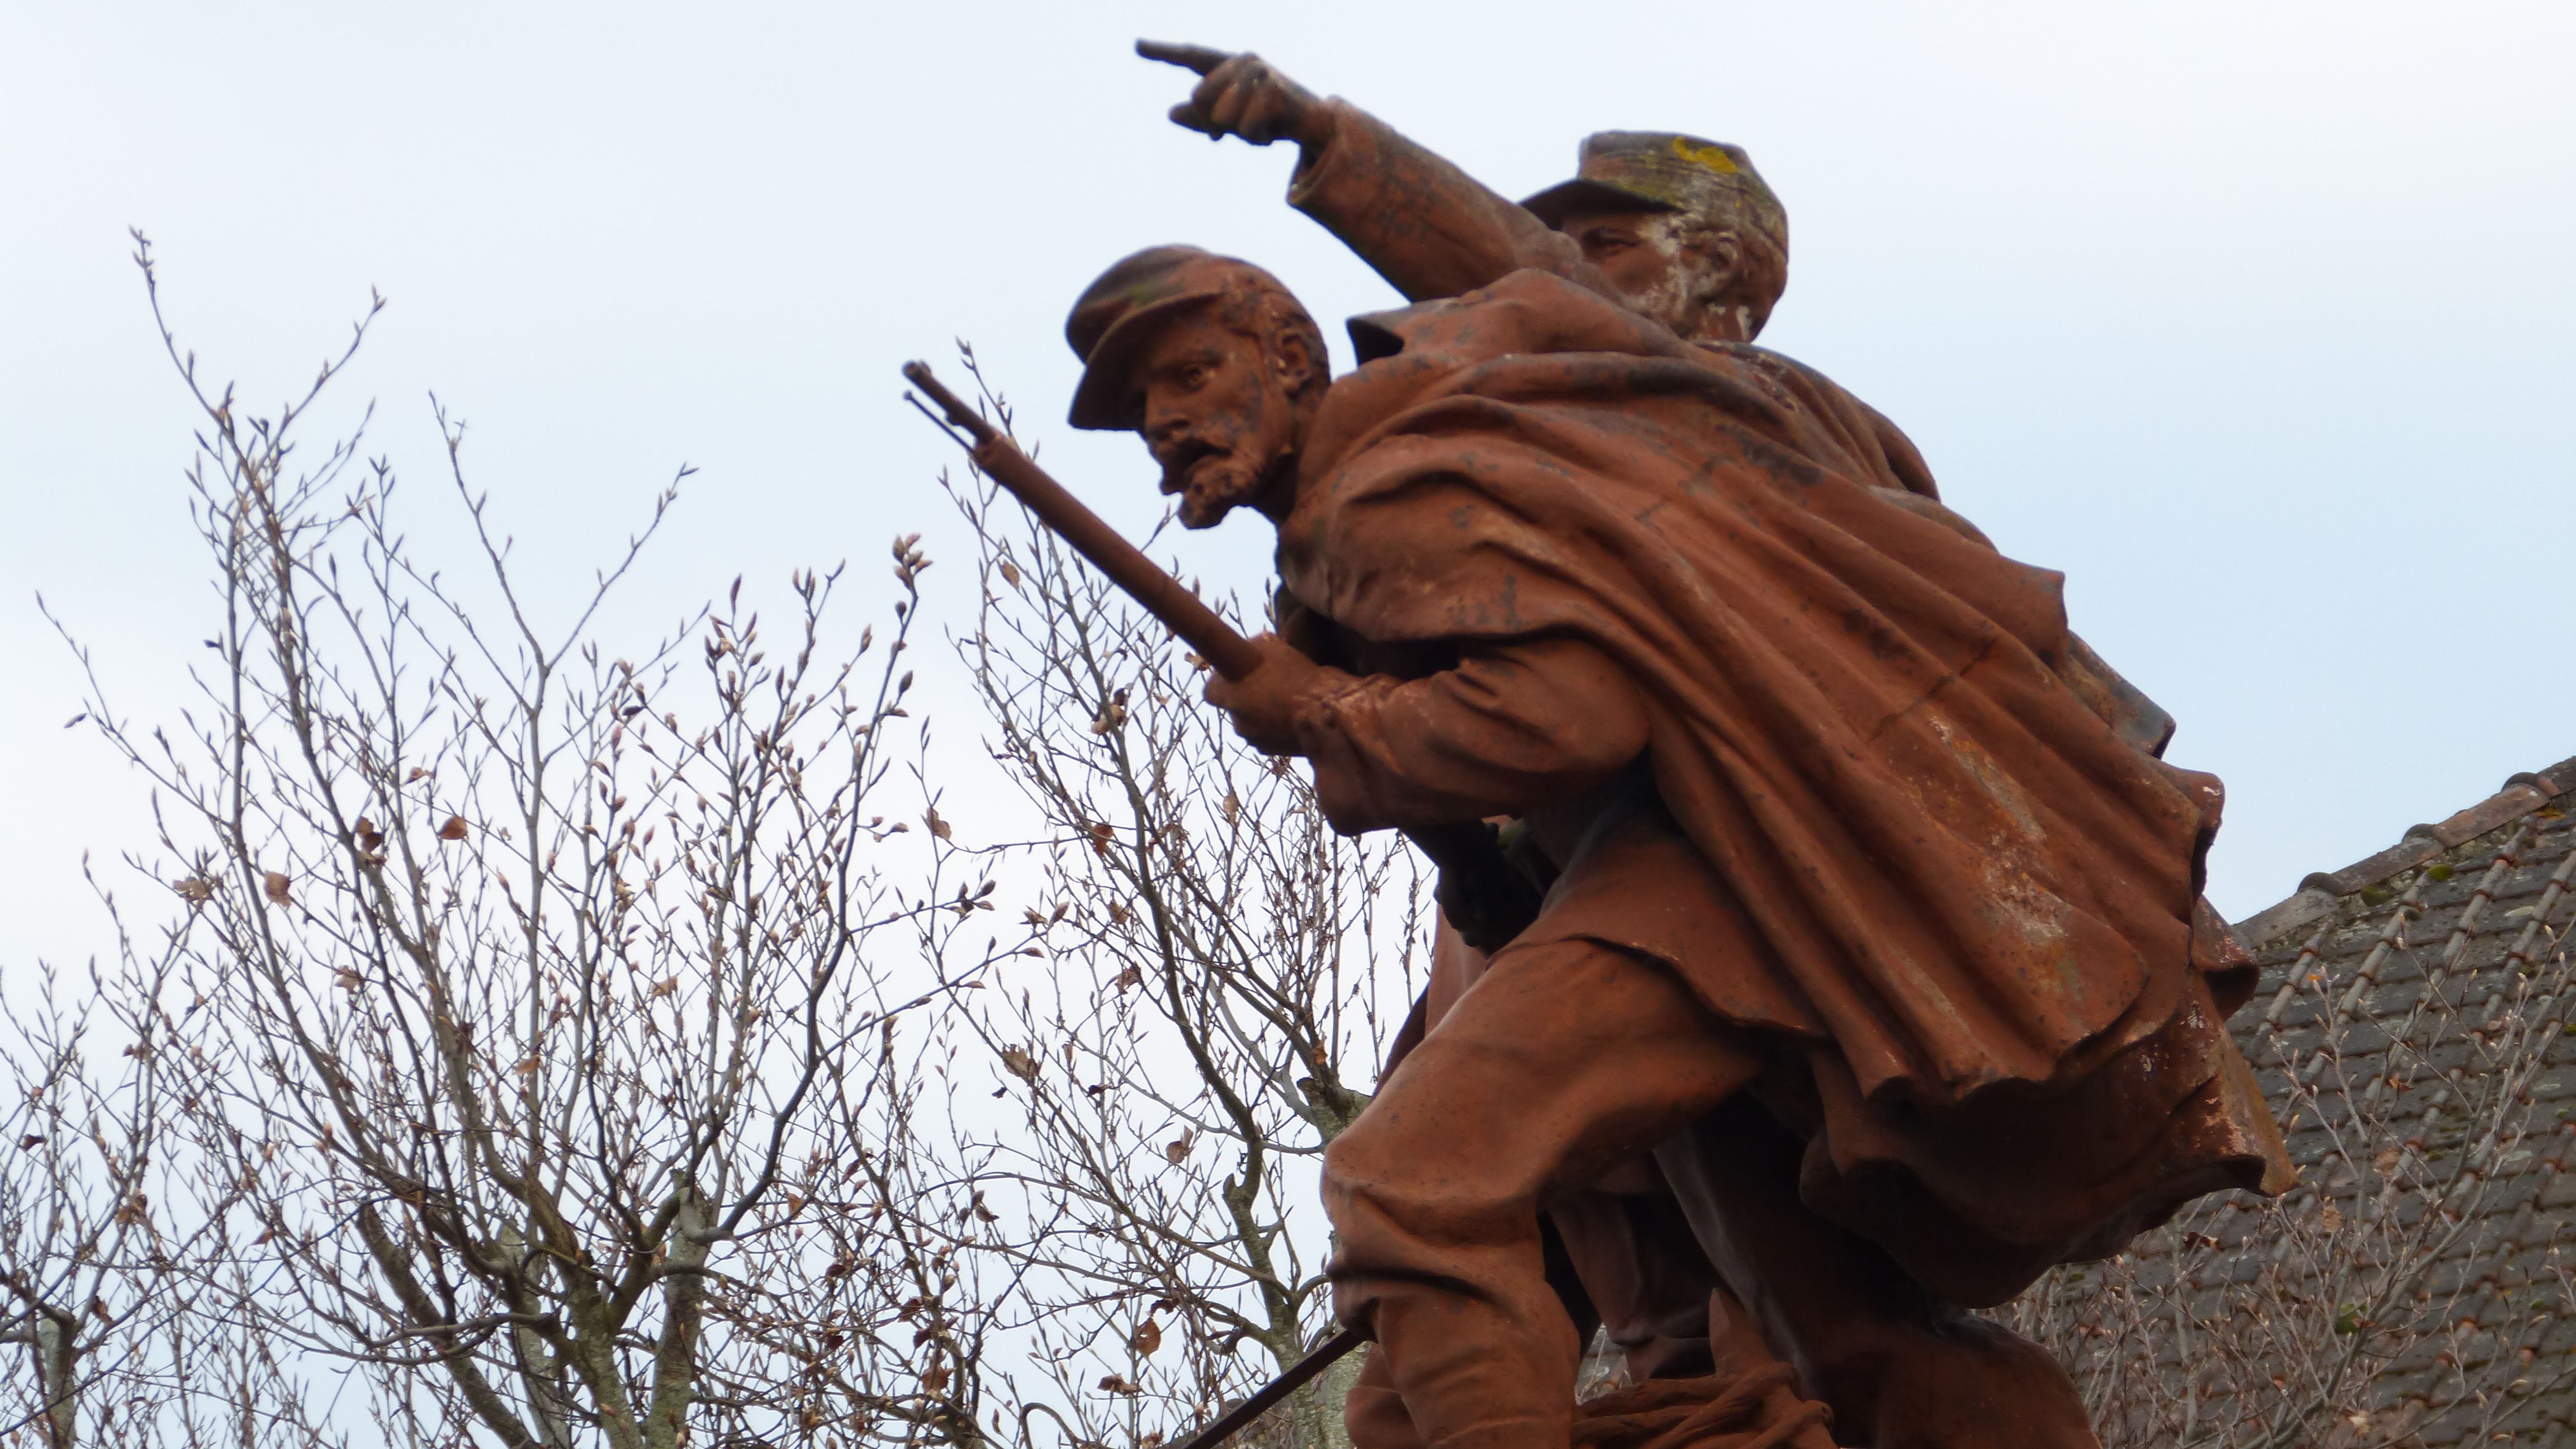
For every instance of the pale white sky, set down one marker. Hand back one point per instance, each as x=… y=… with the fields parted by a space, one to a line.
x=2254 y=318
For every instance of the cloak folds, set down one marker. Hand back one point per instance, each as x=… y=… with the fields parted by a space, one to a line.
x=1925 y=850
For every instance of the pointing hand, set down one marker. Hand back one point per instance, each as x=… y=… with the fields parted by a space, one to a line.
x=1240 y=95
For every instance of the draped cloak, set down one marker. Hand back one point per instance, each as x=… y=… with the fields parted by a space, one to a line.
x=1899 y=829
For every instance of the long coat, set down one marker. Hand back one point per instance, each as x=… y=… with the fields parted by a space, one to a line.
x=1894 y=823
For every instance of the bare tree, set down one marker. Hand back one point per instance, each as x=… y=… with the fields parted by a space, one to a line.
x=110 y=1229
x=90 y=1275
x=542 y=991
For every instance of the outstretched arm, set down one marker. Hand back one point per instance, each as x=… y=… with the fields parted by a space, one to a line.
x=1427 y=227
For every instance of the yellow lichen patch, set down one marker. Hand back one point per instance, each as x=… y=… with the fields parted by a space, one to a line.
x=1712 y=157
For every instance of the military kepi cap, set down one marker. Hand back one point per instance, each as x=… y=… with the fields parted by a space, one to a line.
x=1122 y=310
x=1666 y=171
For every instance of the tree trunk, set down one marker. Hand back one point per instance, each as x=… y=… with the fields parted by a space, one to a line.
x=57 y=1359
x=1315 y=1411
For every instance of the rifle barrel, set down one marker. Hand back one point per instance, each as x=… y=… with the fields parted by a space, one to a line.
x=1326 y=1354
x=1126 y=565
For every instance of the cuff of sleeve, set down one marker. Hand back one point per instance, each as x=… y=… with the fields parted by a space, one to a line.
x=1328 y=724
x=1320 y=165
x=1325 y=715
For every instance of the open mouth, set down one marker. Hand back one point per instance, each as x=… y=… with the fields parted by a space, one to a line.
x=1182 y=460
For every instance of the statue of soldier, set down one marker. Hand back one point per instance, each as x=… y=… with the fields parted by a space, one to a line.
x=1685 y=231
x=1851 y=855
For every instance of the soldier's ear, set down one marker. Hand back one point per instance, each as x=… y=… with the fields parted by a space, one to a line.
x=1295 y=360
x=1722 y=253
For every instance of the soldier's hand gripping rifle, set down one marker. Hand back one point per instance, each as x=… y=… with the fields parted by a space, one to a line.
x=1485 y=896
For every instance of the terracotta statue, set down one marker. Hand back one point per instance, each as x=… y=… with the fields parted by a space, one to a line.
x=1857 y=868
x=1685 y=231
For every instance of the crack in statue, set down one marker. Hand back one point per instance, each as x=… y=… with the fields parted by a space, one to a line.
x=1873 y=978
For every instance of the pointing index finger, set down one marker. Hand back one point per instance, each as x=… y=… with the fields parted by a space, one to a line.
x=1198 y=58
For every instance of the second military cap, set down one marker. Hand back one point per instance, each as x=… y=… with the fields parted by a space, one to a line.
x=1666 y=171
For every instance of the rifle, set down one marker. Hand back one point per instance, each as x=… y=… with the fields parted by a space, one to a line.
x=1487 y=897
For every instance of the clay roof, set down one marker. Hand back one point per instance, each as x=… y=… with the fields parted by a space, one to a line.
x=2413 y=1034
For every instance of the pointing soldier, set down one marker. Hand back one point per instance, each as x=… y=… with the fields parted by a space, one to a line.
x=1681 y=229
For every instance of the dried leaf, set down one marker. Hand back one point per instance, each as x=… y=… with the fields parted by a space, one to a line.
x=1132 y=976
x=526 y=1068
x=454 y=829
x=937 y=826
x=347 y=979
x=1116 y=1385
x=668 y=985
x=31 y=1141
x=1010 y=573
x=1117 y=913
x=195 y=890
x=937 y=1377
x=1147 y=1337
x=1019 y=1064
x=278 y=893
x=1177 y=1151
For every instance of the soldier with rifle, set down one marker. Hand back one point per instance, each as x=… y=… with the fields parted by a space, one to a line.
x=1846 y=839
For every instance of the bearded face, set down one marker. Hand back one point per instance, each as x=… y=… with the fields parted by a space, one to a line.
x=1221 y=411
x=1666 y=266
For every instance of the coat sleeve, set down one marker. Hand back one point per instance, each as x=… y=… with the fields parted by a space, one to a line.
x=1510 y=728
x=1427 y=227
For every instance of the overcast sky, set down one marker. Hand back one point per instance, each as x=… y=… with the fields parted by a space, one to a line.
x=2253 y=318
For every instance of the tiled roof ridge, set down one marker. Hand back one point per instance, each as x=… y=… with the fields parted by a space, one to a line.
x=2318 y=894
